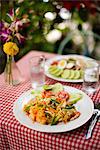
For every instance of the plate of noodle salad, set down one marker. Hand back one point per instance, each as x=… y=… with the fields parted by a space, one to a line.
x=53 y=108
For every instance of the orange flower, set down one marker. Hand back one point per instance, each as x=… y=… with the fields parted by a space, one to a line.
x=10 y=48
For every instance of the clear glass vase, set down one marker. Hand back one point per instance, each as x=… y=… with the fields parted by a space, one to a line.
x=12 y=74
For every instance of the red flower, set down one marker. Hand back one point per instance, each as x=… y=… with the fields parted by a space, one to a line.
x=90 y=5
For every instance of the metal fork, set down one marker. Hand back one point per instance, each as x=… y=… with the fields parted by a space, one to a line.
x=93 y=121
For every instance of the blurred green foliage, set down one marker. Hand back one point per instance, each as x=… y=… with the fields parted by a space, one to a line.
x=38 y=27
x=36 y=31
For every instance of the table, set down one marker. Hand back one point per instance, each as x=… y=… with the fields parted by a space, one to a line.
x=14 y=136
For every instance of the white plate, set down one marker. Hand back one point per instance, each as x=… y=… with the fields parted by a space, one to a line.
x=50 y=61
x=84 y=106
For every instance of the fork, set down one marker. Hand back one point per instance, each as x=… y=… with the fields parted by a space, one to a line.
x=93 y=121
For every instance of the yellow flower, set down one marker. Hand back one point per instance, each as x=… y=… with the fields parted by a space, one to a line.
x=10 y=48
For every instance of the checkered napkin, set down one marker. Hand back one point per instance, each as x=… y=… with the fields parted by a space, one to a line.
x=14 y=136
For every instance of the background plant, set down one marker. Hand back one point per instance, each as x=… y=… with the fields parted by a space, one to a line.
x=49 y=18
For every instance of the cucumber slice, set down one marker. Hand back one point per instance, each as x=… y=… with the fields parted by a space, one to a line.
x=74 y=98
x=66 y=74
x=57 y=87
x=81 y=74
x=47 y=87
x=52 y=68
x=72 y=74
x=77 y=74
x=59 y=73
x=54 y=71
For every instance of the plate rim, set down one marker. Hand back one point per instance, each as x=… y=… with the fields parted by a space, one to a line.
x=45 y=131
x=63 y=56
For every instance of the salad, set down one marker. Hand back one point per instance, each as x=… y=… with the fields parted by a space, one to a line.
x=52 y=105
x=70 y=68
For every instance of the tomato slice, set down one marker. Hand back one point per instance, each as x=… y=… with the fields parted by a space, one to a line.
x=63 y=95
x=55 y=63
x=47 y=94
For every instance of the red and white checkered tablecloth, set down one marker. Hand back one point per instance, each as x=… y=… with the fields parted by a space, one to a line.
x=14 y=136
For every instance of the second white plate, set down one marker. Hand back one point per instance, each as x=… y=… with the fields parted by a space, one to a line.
x=50 y=61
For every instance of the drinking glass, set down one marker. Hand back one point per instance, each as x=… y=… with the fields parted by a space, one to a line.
x=91 y=79
x=37 y=71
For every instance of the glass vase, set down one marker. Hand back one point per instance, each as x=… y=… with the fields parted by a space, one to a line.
x=12 y=74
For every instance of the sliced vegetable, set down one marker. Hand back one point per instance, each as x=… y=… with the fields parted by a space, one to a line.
x=72 y=74
x=63 y=95
x=57 y=87
x=55 y=120
x=54 y=72
x=59 y=73
x=47 y=113
x=74 y=98
x=27 y=108
x=66 y=74
x=69 y=107
x=47 y=87
x=81 y=73
x=32 y=92
x=35 y=92
x=51 y=68
x=77 y=74
x=54 y=101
